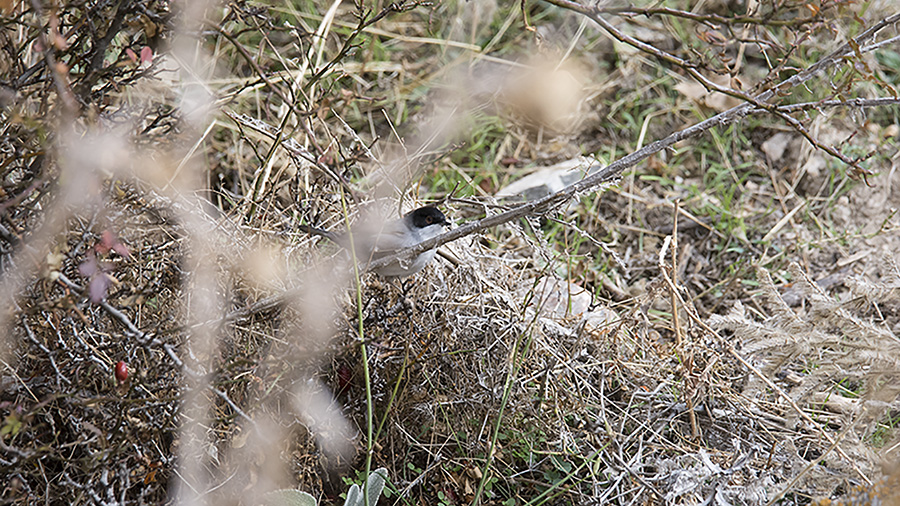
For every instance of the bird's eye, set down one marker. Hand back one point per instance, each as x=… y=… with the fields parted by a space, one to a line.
x=429 y=220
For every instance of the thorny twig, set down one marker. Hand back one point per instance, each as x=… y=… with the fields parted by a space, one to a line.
x=147 y=340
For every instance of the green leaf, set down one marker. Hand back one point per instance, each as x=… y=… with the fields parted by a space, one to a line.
x=374 y=486
x=288 y=497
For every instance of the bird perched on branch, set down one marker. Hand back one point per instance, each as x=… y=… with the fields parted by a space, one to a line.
x=373 y=242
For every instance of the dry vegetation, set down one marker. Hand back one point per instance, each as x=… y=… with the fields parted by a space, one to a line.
x=720 y=326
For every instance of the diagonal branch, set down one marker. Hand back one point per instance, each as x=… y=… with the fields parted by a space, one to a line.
x=756 y=103
x=851 y=47
x=594 y=180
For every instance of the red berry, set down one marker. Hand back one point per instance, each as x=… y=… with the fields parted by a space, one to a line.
x=121 y=371
x=344 y=377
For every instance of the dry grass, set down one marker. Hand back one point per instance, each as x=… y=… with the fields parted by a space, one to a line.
x=738 y=346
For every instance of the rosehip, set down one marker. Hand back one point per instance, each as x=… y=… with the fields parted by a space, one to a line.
x=121 y=371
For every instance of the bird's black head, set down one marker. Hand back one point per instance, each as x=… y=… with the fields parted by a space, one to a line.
x=424 y=217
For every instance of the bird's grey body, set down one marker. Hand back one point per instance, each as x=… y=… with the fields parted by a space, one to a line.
x=373 y=243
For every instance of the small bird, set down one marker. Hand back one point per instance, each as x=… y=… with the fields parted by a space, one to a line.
x=372 y=243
